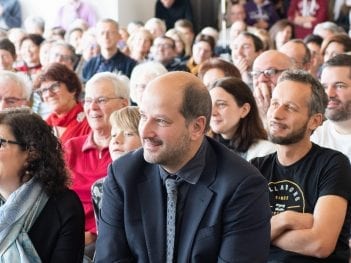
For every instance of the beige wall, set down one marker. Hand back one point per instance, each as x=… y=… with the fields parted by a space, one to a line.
x=121 y=10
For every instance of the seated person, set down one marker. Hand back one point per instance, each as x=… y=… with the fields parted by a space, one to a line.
x=164 y=51
x=235 y=119
x=41 y=219
x=306 y=181
x=215 y=68
x=124 y=138
x=87 y=156
x=203 y=49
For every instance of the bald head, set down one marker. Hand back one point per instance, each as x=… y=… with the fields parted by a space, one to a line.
x=272 y=60
x=175 y=112
x=184 y=90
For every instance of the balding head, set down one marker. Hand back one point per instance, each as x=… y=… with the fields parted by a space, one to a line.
x=175 y=113
x=271 y=59
x=186 y=89
x=299 y=53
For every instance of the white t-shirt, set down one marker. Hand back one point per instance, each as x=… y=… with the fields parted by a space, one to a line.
x=260 y=149
x=327 y=136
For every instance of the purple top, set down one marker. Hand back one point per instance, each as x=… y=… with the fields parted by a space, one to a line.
x=68 y=13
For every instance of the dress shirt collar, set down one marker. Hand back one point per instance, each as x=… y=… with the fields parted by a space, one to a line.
x=90 y=144
x=192 y=171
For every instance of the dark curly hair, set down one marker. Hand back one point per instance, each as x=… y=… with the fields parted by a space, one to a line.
x=45 y=160
x=59 y=72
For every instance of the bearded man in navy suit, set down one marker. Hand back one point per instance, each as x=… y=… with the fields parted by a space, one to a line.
x=222 y=211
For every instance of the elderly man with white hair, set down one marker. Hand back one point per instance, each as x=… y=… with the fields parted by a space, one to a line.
x=142 y=74
x=15 y=91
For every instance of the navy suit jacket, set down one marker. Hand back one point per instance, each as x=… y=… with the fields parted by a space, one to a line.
x=226 y=216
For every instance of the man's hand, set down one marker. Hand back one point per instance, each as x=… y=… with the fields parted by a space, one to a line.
x=289 y=220
x=263 y=93
x=242 y=64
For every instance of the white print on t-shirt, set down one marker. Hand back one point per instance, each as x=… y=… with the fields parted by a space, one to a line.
x=286 y=195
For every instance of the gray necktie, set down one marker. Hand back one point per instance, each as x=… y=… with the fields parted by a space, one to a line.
x=171 y=187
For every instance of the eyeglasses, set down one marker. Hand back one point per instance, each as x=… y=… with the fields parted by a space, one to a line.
x=4 y=142
x=11 y=101
x=100 y=100
x=165 y=46
x=53 y=88
x=267 y=72
x=61 y=57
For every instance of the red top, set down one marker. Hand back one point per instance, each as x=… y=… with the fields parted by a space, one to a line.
x=319 y=10
x=86 y=164
x=74 y=121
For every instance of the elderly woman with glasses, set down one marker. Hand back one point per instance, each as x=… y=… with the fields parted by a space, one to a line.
x=88 y=156
x=60 y=88
x=41 y=220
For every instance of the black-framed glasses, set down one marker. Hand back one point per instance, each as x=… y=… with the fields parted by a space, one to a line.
x=53 y=88
x=267 y=72
x=4 y=142
x=100 y=100
x=11 y=100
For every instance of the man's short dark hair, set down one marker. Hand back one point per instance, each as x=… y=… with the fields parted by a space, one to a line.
x=6 y=44
x=206 y=38
x=196 y=103
x=319 y=99
x=341 y=60
x=258 y=44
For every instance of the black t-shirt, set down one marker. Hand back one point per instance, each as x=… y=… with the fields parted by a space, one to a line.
x=298 y=186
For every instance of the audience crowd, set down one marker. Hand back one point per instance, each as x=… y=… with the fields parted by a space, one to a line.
x=278 y=76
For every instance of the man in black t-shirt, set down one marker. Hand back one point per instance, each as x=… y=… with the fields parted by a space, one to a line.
x=310 y=186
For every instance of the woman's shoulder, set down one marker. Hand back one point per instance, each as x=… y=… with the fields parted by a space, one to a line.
x=66 y=200
x=260 y=148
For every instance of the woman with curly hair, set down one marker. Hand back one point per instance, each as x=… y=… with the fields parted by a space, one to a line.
x=41 y=220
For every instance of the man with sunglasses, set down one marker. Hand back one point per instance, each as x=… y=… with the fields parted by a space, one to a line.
x=14 y=91
x=267 y=67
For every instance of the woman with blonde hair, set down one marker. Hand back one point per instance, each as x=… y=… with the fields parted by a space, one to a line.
x=124 y=138
x=139 y=44
x=183 y=50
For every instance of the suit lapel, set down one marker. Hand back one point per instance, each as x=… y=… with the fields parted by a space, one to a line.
x=197 y=201
x=152 y=213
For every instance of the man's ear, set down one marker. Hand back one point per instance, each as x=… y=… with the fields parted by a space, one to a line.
x=315 y=121
x=197 y=127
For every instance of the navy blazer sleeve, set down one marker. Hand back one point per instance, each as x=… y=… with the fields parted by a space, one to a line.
x=246 y=223
x=113 y=247
x=226 y=217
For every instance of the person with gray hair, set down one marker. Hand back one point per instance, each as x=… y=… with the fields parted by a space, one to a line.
x=306 y=181
x=327 y=29
x=63 y=53
x=87 y=156
x=34 y=25
x=142 y=74
x=15 y=90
